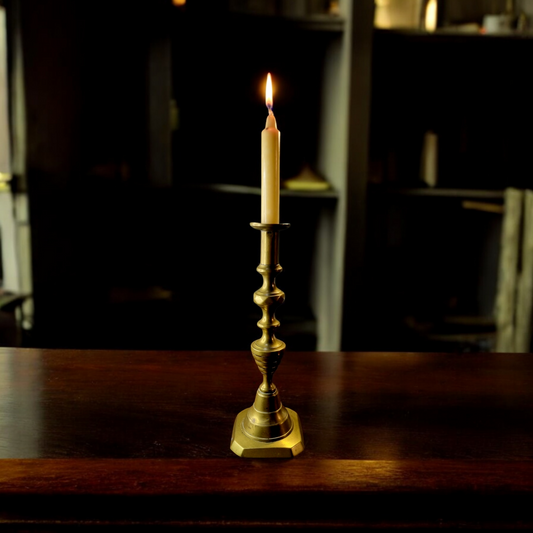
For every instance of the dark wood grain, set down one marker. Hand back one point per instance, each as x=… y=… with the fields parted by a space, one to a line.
x=235 y=476
x=114 y=438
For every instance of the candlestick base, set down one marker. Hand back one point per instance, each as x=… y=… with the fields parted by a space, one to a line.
x=284 y=448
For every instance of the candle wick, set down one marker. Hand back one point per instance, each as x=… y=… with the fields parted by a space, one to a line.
x=270 y=110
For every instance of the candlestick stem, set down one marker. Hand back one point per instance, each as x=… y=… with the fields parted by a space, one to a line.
x=267 y=428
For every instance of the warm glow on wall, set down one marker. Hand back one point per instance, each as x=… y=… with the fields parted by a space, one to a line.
x=431 y=16
x=5 y=138
x=179 y=2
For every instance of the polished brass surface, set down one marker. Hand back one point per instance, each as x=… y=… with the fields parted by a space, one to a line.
x=267 y=428
x=246 y=446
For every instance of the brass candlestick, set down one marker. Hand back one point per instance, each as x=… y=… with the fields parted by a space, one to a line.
x=267 y=428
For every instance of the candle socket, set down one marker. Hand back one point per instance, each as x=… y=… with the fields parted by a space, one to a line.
x=267 y=428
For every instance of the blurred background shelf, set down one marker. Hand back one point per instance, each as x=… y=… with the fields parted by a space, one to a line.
x=143 y=169
x=143 y=141
x=275 y=23
x=228 y=188
x=444 y=35
x=437 y=192
x=433 y=249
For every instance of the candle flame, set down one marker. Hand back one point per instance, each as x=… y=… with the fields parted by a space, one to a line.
x=268 y=93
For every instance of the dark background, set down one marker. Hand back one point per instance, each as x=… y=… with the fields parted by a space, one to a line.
x=134 y=248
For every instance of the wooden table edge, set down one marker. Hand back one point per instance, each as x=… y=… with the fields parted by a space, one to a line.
x=237 y=476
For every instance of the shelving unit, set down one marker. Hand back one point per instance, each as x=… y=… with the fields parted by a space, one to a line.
x=119 y=198
x=433 y=264
x=129 y=198
x=322 y=115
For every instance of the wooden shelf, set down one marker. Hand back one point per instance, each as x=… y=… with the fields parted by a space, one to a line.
x=475 y=333
x=228 y=188
x=318 y=22
x=437 y=192
x=325 y=23
x=450 y=35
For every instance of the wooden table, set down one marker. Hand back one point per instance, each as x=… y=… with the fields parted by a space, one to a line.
x=112 y=438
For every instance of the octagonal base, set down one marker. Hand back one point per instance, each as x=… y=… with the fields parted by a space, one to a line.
x=289 y=446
